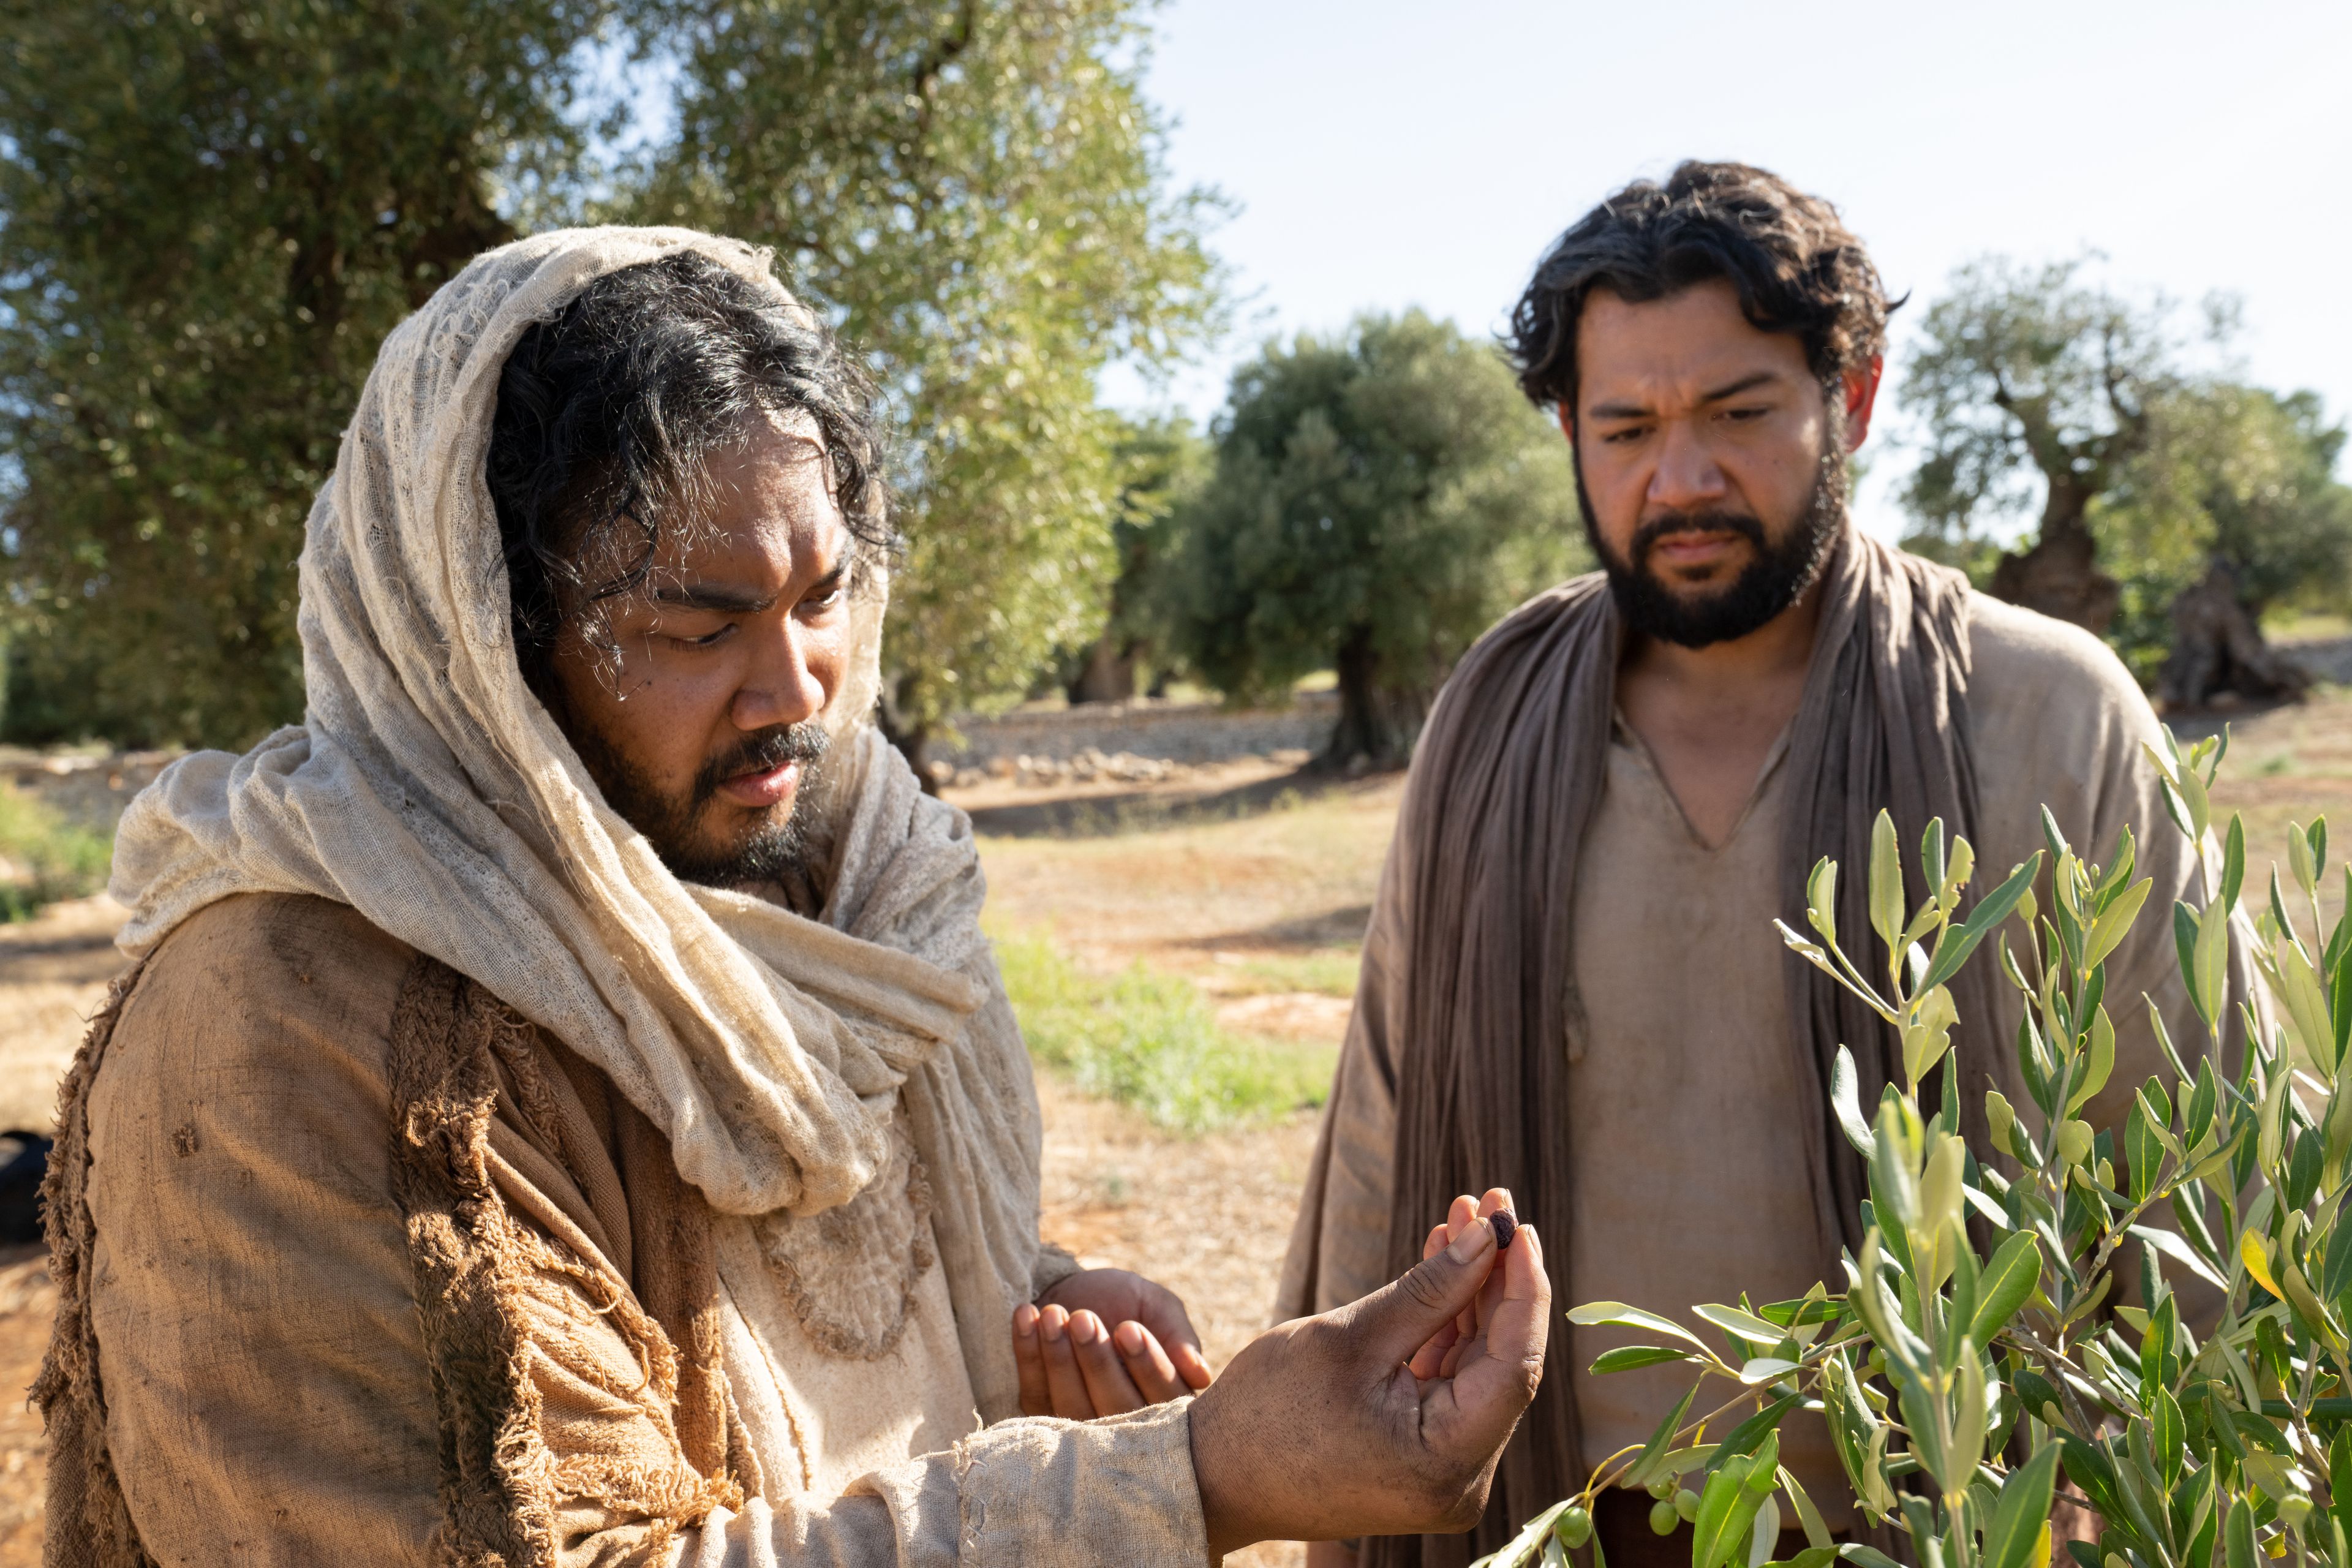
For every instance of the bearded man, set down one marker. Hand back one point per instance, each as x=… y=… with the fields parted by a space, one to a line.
x=565 y=1113
x=1571 y=975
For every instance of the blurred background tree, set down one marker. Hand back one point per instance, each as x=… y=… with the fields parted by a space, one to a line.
x=1379 y=500
x=1163 y=462
x=2176 y=505
x=2031 y=377
x=977 y=193
x=2230 y=514
x=213 y=219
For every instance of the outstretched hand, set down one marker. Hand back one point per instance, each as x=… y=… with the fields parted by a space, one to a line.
x=1103 y=1341
x=1387 y=1416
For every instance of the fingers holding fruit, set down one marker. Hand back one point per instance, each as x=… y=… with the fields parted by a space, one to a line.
x=1340 y=1424
x=1429 y=1361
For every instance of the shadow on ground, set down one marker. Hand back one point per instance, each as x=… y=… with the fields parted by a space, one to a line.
x=1341 y=927
x=1145 y=809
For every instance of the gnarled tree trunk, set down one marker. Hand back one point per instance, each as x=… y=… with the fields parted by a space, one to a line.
x=1377 y=726
x=2218 y=649
x=1108 y=674
x=2059 y=575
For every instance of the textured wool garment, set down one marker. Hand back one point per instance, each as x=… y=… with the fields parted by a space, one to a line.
x=429 y=790
x=1506 y=776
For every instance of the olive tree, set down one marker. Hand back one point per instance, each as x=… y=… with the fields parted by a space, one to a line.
x=1378 y=500
x=2176 y=504
x=1163 y=461
x=975 y=192
x=2031 y=379
x=1978 y=1343
x=213 y=215
x=2232 y=510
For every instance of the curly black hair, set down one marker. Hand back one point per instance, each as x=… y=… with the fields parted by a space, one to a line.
x=607 y=412
x=1796 y=266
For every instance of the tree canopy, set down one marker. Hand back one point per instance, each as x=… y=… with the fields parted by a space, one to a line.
x=213 y=219
x=1378 y=499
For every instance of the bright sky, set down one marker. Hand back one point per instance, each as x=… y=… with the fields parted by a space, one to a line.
x=1385 y=154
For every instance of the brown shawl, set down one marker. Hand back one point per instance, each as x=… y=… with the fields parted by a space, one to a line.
x=1506 y=776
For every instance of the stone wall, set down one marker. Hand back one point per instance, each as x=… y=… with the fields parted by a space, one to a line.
x=2322 y=659
x=1186 y=732
x=91 y=787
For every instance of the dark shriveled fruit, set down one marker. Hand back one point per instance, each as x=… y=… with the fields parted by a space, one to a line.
x=1506 y=1225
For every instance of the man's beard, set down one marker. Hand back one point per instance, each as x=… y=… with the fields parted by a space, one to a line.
x=777 y=849
x=1767 y=584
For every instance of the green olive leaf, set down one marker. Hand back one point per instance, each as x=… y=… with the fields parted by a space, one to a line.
x=2024 y=1507
x=1885 y=881
x=2006 y=1284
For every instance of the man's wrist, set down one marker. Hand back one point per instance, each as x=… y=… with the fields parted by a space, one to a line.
x=1226 y=1492
x=1053 y=1268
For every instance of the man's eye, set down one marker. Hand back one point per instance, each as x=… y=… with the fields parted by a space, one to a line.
x=1746 y=413
x=1623 y=437
x=708 y=640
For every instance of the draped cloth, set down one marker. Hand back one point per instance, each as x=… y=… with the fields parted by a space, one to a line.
x=1506 y=780
x=429 y=790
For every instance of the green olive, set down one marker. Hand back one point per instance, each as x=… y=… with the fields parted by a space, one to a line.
x=1663 y=1487
x=1575 y=1527
x=1663 y=1519
x=1686 y=1504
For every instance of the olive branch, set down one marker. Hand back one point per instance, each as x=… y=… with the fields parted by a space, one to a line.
x=1956 y=1385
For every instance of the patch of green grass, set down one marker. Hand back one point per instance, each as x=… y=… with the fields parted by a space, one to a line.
x=46 y=858
x=2305 y=626
x=1328 y=972
x=1151 y=1041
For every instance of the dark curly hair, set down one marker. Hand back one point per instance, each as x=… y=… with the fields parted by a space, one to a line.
x=1796 y=268
x=607 y=412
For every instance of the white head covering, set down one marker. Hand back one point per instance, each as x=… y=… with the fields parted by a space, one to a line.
x=428 y=789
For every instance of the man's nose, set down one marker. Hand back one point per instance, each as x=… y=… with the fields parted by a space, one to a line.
x=1686 y=478
x=780 y=685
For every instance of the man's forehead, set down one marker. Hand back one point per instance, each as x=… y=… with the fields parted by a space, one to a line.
x=1695 y=342
x=767 y=513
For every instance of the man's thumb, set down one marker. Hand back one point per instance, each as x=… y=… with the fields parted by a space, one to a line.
x=1403 y=1315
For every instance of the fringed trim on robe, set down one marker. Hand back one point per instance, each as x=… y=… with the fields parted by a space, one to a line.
x=474 y=1263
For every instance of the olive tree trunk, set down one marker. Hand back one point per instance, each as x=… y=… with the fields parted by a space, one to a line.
x=2217 y=651
x=2059 y=575
x=1377 y=724
x=1109 y=673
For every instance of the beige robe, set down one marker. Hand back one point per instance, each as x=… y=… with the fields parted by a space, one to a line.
x=1690 y=1188
x=269 y=1396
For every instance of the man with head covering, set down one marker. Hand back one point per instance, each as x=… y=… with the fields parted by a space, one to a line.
x=1571 y=978
x=565 y=1110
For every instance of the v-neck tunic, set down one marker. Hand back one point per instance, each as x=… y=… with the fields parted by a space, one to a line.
x=1686 y=1087
x=1691 y=1176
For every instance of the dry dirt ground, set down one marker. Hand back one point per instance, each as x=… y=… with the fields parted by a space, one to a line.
x=1254 y=881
